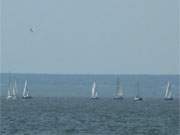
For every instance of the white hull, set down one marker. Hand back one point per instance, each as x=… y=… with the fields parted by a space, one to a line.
x=138 y=98
x=9 y=97
x=27 y=97
x=94 y=98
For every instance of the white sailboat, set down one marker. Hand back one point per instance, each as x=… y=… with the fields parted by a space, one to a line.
x=26 y=92
x=138 y=97
x=168 y=93
x=12 y=91
x=9 y=96
x=94 y=94
x=119 y=91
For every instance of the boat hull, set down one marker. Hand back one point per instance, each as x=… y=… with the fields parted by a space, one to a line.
x=167 y=99
x=94 y=98
x=138 y=99
x=29 y=97
x=9 y=97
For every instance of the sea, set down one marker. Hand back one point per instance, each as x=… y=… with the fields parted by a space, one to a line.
x=61 y=105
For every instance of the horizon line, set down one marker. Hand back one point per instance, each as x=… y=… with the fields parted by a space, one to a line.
x=87 y=73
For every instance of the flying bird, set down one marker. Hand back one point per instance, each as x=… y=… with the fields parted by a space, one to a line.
x=31 y=30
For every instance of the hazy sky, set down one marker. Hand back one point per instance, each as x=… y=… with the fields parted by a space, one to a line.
x=90 y=36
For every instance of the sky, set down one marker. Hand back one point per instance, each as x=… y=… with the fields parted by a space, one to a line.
x=90 y=36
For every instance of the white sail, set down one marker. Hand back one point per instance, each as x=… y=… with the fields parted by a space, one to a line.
x=119 y=91
x=15 y=87
x=167 y=90
x=94 y=93
x=9 y=94
x=25 y=89
x=9 y=91
x=26 y=92
x=13 y=92
x=168 y=93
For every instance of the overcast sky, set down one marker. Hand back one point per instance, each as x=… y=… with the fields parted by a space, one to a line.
x=90 y=36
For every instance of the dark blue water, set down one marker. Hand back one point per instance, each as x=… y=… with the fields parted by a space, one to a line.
x=82 y=116
x=61 y=106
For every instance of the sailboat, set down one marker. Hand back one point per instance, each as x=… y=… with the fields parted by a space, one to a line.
x=9 y=96
x=12 y=91
x=26 y=92
x=94 y=94
x=119 y=91
x=168 y=93
x=138 y=97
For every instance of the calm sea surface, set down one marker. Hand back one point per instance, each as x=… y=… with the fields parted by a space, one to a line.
x=61 y=106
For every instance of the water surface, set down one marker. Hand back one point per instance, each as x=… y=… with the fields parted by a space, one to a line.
x=82 y=116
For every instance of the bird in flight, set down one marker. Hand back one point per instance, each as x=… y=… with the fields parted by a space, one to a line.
x=31 y=30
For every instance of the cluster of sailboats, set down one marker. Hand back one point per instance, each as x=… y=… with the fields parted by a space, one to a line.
x=119 y=95
x=13 y=91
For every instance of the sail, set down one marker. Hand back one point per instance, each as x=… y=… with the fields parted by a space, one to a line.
x=14 y=92
x=9 y=93
x=14 y=89
x=27 y=92
x=168 y=93
x=119 y=91
x=94 y=92
x=167 y=90
x=10 y=90
x=25 y=89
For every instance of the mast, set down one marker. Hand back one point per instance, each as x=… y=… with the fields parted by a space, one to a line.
x=138 y=90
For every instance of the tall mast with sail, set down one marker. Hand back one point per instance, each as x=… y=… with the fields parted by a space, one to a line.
x=168 y=92
x=138 y=97
x=14 y=90
x=26 y=92
x=119 y=91
x=9 y=96
x=94 y=94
